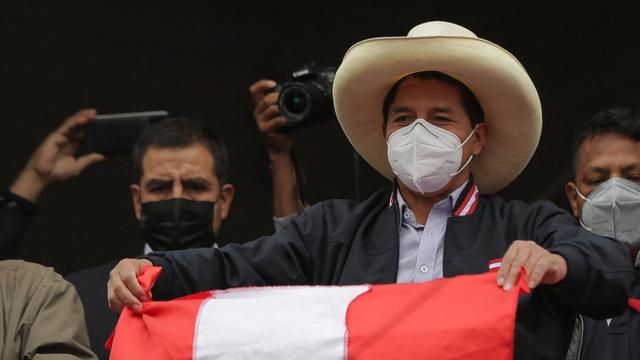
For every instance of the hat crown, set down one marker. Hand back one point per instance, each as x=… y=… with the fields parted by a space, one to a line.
x=440 y=28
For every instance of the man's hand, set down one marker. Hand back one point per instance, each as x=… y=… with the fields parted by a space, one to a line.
x=269 y=120
x=53 y=160
x=541 y=265
x=123 y=287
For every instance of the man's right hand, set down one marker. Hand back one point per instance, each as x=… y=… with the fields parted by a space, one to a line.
x=54 y=161
x=123 y=288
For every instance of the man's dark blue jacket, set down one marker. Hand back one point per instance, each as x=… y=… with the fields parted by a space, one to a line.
x=339 y=242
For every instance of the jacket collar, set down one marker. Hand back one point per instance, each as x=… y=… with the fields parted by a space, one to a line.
x=465 y=206
x=468 y=200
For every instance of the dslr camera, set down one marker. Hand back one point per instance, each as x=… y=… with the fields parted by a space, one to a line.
x=307 y=99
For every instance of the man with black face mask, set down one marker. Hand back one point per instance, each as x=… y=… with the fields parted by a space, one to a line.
x=177 y=223
x=181 y=194
x=170 y=225
x=180 y=197
x=605 y=197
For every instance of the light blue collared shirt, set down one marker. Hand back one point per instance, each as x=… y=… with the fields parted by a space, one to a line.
x=422 y=246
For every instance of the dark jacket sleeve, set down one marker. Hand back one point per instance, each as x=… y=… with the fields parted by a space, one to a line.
x=599 y=268
x=284 y=258
x=15 y=216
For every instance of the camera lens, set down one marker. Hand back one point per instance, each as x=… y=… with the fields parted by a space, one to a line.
x=307 y=99
x=295 y=101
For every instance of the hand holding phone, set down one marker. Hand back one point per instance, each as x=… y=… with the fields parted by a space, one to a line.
x=55 y=159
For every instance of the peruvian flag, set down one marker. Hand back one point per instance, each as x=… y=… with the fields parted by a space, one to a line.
x=466 y=317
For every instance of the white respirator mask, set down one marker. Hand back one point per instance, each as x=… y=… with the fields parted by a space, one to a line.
x=613 y=209
x=425 y=157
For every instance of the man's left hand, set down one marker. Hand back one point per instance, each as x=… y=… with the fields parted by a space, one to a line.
x=541 y=265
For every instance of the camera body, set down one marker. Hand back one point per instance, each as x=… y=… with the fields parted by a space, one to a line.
x=307 y=98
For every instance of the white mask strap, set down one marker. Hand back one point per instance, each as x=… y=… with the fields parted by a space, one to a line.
x=469 y=137
x=585 y=226
x=470 y=157
x=582 y=196
x=463 y=166
x=587 y=200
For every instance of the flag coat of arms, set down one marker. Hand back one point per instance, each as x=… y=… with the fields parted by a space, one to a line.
x=466 y=317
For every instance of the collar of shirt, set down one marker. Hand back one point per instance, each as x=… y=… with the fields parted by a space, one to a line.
x=407 y=216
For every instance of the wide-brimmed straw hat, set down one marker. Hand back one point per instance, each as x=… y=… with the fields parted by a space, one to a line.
x=501 y=84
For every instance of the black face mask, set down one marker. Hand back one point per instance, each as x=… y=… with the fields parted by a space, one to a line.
x=177 y=224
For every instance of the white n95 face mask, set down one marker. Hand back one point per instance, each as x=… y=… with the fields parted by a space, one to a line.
x=613 y=209
x=424 y=156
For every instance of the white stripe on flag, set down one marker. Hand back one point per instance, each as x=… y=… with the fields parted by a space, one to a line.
x=495 y=265
x=283 y=323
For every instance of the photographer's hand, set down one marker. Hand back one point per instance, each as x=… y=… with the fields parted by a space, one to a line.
x=269 y=121
x=53 y=160
x=285 y=197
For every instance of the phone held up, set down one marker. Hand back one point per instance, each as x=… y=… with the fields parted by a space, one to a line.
x=117 y=133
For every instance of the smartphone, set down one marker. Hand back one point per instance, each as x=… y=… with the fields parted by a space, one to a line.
x=117 y=133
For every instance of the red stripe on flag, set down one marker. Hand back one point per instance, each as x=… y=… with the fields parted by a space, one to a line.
x=143 y=335
x=466 y=317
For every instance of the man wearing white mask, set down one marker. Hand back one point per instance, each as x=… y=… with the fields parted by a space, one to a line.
x=427 y=111
x=605 y=197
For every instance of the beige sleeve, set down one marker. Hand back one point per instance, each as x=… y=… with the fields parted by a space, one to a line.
x=58 y=329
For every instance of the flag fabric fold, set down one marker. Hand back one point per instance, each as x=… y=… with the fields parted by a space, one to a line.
x=466 y=317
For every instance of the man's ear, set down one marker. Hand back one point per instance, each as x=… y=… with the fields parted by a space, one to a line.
x=136 y=197
x=480 y=138
x=570 y=190
x=226 y=198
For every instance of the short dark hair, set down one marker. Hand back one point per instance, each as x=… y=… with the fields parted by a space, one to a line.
x=180 y=132
x=470 y=103
x=620 y=121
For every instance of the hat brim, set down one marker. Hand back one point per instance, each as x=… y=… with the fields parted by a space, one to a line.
x=507 y=95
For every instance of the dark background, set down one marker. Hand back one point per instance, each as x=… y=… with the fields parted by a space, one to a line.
x=198 y=59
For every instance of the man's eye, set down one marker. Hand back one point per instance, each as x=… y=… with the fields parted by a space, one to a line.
x=403 y=119
x=441 y=118
x=157 y=189
x=595 y=181
x=197 y=187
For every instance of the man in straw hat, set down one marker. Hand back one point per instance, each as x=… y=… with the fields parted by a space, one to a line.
x=450 y=118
